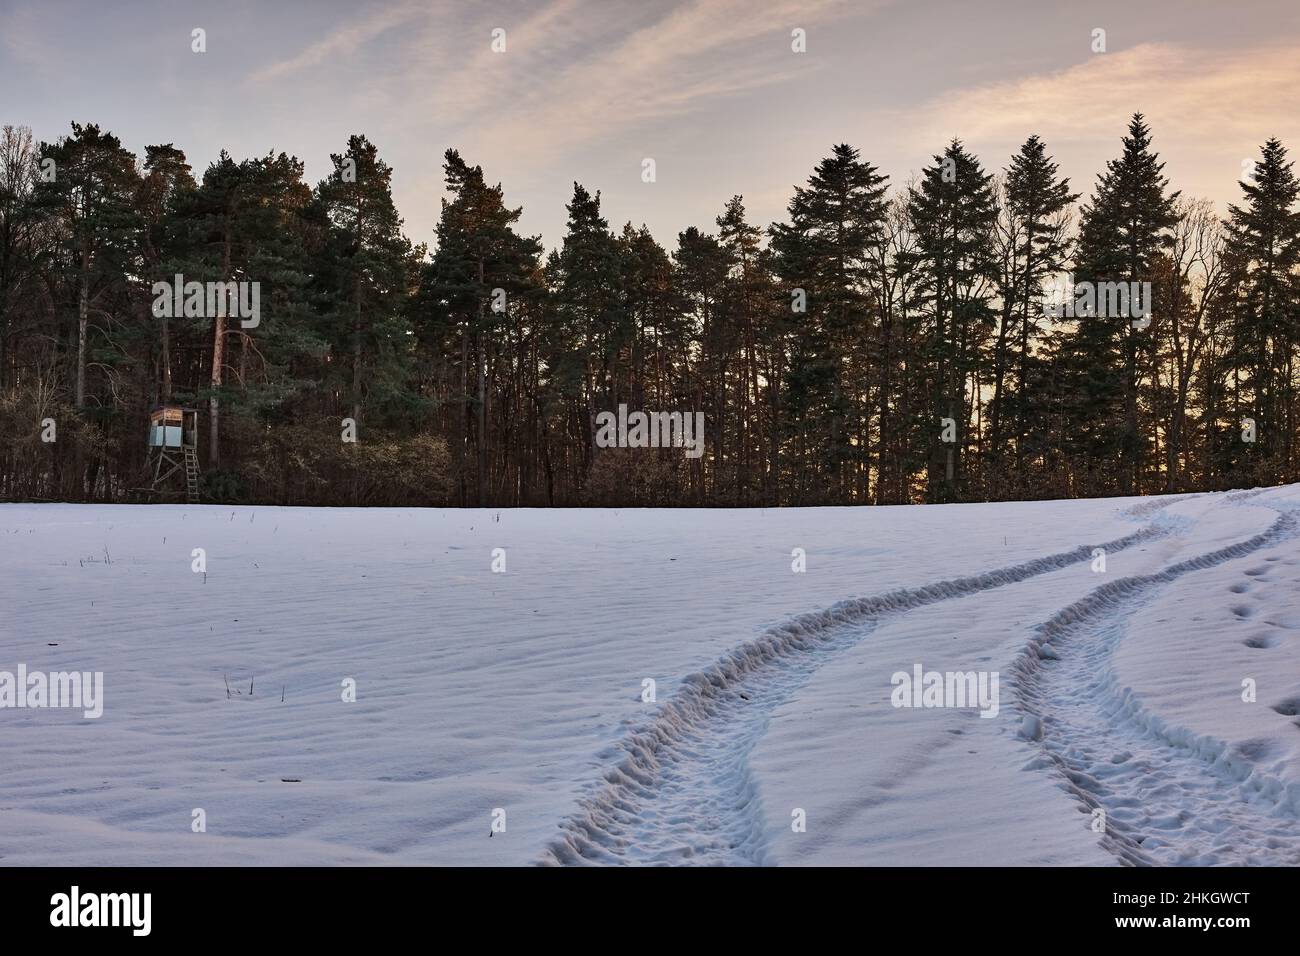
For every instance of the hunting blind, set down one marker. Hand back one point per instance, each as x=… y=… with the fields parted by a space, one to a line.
x=173 y=450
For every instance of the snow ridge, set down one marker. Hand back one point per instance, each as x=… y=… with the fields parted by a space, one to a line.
x=1170 y=796
x=682 y=791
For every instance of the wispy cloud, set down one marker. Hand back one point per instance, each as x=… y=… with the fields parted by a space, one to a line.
x=573 y=70
x=667 y=68
x=1209 y=108
x=1199 y=90
x=345 y=40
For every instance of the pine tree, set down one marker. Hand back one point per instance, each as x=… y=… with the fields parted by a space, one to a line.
x=279 y=359
x=206 y=248
x=1125 y=229
x=953 y=212
x=702 y=267
x=749 y=296
x=1035 y=203
x=591 y=325
x=823 y=255
x=1263 y=250
x=245 y=222
x=91 y=199
x=476 y=282
x=168 y=177
x=370 y=266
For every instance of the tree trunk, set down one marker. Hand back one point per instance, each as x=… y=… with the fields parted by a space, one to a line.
x=481 y=359
x=83 y=319
x=218 y=364
x=356 y=349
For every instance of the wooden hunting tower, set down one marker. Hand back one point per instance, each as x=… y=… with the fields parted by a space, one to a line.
x=173 y=450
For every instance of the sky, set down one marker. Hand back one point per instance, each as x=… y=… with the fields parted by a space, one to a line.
x=711 y=90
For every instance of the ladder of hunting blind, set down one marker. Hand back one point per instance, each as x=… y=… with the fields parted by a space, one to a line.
x=191 y=475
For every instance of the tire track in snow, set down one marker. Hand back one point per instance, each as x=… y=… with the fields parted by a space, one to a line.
x=683 y=791
x=1170 y=796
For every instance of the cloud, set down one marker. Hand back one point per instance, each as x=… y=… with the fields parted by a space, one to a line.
x=587 y=87
x=1199 y=90
x=573 y=70
x=697 y=53
x=344 y=40
x=1209 y=109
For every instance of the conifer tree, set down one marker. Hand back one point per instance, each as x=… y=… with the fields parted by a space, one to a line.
x=168 y=177
x=823 y=255
x=474 y=285
x=1263 y=250
x=750 y=295
x=370 y=265
x=953 y=211
x=1036 y=201
x=591 y=321
x=1125 y=229
x=91 y=199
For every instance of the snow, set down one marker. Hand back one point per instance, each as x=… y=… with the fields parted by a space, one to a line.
x=523 y=691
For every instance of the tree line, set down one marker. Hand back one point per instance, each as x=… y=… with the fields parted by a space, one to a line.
x=883 y=344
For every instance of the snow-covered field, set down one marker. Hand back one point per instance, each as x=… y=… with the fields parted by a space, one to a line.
x=1119 y=690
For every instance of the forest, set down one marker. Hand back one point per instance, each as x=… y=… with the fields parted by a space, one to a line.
x=885 y=343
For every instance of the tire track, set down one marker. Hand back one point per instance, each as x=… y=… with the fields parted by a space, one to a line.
x=1169 y=796
x=683 y=791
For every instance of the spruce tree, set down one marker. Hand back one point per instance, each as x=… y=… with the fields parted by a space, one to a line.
x=824 y=257
x=1124 y=229
x=953 y=211
x=1263 y=250
x=1036 y=202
